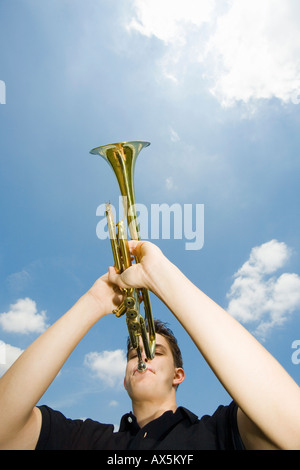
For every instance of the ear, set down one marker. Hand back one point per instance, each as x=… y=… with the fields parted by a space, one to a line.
x=179 y=376
x=125 y=383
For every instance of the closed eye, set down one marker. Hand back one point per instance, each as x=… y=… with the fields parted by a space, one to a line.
x=159 y=351
x=132 y=356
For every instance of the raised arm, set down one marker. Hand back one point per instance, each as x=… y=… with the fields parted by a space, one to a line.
x=25 y=382
x=268 y=398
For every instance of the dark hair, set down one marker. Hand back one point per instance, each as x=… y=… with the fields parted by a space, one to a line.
x=162 y=329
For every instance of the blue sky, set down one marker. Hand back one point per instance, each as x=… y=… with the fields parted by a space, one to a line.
x=215 y=87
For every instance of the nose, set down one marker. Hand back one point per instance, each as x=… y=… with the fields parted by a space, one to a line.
x=145 y=358
x=143 y=354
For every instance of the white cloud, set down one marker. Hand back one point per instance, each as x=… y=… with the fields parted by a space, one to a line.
x=113 y=403
x=169 y=20
x=174 y=137
x=248 y=50
x=266 y=258
x=169 y=183
x=8 y=355
x=23 y=318
x=257 y=48
x=262 y=300
x=108 y=366
x=18 y=281
x=179 y=25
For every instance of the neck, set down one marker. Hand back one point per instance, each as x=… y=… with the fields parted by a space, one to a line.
x=146 y=411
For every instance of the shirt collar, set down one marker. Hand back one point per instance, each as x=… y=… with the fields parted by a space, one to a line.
x=129 y=423
x=191 y=416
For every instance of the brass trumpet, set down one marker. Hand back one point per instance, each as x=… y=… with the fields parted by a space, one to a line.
x=122 y=157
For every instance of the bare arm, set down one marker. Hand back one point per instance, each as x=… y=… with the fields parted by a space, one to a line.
x=268 y=398
x=25 y=382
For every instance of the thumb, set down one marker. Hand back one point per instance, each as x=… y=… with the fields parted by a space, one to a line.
x=115 y=278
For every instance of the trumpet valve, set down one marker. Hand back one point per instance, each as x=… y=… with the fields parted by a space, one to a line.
x=120 y=310
x=129 y=302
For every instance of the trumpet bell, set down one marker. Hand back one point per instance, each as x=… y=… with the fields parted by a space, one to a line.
x=122 y=157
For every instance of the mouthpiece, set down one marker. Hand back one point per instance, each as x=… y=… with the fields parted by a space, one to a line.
x=142 y=366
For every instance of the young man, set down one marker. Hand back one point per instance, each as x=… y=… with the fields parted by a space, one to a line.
x=266 y=401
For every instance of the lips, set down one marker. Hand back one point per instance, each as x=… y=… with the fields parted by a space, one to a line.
x=147 y=370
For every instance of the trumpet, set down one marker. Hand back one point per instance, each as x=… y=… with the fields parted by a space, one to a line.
x=122 y=157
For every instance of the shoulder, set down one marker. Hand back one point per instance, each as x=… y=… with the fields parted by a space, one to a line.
x=219 y=429
x=60 y=432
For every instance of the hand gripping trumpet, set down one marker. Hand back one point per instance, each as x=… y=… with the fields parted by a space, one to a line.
x=122 y=157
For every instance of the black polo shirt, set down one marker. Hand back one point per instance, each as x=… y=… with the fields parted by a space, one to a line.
x=181 y=430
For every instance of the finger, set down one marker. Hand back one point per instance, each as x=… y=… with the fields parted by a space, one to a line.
x=141 y=298
x=115 y=278
x=134 y=246
x=137 y=248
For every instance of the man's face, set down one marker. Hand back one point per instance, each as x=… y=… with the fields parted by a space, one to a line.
x=160 y=376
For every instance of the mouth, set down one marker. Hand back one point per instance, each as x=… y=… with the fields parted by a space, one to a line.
x=148 y=369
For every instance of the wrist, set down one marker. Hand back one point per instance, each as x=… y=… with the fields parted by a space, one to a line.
x=104 y=296
x=94 y=304
x=158 y=275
